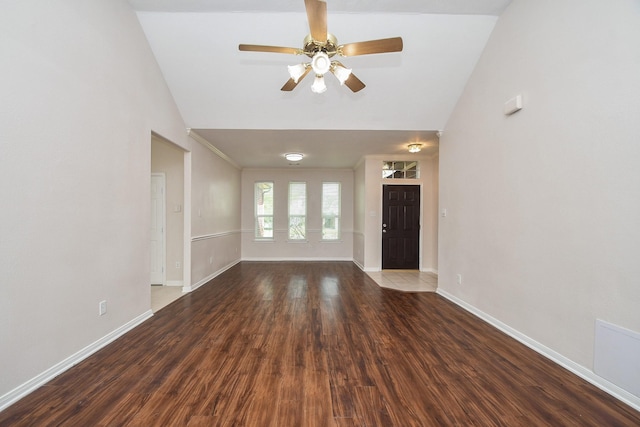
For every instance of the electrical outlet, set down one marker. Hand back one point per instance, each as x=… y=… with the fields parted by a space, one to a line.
x=210 y=260
x=102 y=307
x=177 y=264
x=459 y=279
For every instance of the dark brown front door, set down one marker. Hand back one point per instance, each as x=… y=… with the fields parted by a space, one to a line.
x=400 y=226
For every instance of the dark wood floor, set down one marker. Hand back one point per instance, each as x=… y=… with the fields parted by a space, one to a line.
x=306 y=344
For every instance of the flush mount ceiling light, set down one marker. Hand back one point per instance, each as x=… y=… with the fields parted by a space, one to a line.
x=293 y=157
x=321 y=47
x=415 y=148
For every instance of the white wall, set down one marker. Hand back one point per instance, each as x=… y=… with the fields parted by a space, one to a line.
x=215 y=214
x=372 y=220
x=544 y=205
x=81 y=93
x=359 y=205
x=313 y=247
x=430 y=175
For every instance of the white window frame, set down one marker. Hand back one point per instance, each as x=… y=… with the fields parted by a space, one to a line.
x=336 y=217
x=296 y=216
x=261 y=215
x=400 y=169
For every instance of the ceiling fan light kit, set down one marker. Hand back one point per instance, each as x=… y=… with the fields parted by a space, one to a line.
x=318 y=85
x=297 y=71
x=320 y=63
x=340 y=72
x=321 y=46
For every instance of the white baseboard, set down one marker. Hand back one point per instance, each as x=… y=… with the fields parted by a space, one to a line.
x=174 y=283
x=377 y=270
x=279 y=259
x=360 y=266
x=201 y=282
x=568 y=364
x=21 y=391
x=213 y=275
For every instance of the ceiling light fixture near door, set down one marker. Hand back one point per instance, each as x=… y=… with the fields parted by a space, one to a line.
x=294 y=157
x=415 y=148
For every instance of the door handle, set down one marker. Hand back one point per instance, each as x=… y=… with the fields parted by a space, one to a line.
x=384 y=231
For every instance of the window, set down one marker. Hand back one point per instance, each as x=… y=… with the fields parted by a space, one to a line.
x=400 y=170
x=264 y=210
x=330 y=210
x=297 y=210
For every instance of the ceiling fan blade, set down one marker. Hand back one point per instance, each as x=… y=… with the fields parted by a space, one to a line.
x=352 y=82
x=274 y=49
x=393 y=44
x=291 y=84
x=317 y=16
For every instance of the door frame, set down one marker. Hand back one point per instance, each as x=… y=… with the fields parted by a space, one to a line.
x=163 y=207
x=420 y=234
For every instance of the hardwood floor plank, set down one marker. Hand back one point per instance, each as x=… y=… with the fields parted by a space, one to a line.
x=315 y=344
x=291 y=413
x=124 y=410
x=202 y=421
x=342 y=402
x=369 y=407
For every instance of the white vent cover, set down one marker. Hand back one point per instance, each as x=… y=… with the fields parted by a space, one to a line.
x=617 y=356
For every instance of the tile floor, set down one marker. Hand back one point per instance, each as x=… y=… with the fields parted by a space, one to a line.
x=161 y=296
x=406 y=280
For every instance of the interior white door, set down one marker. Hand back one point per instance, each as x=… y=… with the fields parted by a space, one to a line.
x=157 y=228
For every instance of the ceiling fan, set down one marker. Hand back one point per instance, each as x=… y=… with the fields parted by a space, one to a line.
x=321 y=47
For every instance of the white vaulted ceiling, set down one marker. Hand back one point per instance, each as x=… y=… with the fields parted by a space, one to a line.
x=230 y=97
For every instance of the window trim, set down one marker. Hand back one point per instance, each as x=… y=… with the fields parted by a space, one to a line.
x=391 y=172
x=338 y=217
x=257 y=216
x=303 y=216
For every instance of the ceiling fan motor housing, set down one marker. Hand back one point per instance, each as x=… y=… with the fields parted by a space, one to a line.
x=313 y=46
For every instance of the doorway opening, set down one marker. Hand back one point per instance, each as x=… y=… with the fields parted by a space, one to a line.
x=168 y=194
